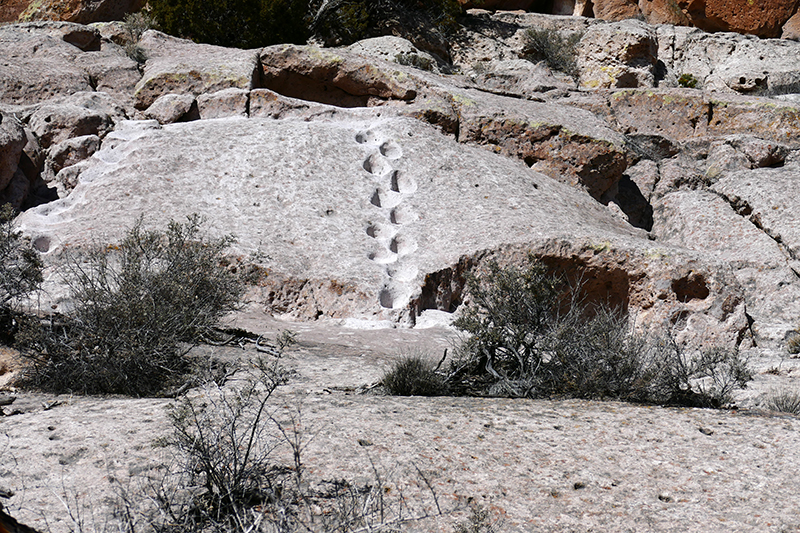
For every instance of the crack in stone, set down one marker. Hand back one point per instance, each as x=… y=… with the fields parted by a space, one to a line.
x=742 y=208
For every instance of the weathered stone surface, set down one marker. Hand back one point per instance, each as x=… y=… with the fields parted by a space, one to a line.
x=35 y=66
x=178 y=66
x=80 y=11
x=170 y=108
x=741 y=152
x=568 y=144
x=11 y=9
x=618 y=55
x=364 y=216
x=727 y=62
x=616 y=10
x=504 y=5
x=67 y=153
x=663 y=12
x=758 y=17
x=768 y=119
x=704 y=221
x=332 y=77
x=519 y=78
x=12 y=141
x=84 y=113
x=225 y=103
x=389 y=47
x=676 y=114
x=85 y=38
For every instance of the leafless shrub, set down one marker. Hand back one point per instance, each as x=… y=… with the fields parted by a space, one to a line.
x=20 y=273
x=228 y=477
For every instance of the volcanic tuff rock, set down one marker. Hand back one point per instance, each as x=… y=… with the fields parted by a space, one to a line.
x=377 y=186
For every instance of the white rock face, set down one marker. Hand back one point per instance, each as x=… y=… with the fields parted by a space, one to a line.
x=365 y=215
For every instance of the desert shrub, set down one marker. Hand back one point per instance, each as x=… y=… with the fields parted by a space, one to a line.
x=558 y=52
x=20 y=272
x=341 y=22
x=234 y=23
x=532 y=336
x=135 y=25
x=139 y=307
x=784 y=401
x=687 y=80
x=414 y=375
x=793 y=344
x=230 y=473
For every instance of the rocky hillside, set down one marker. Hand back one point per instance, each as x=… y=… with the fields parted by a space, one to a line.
x=366 y=186
x=365 y=182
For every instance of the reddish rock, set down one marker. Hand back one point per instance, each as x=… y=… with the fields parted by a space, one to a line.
x=764 y=18
x=615 y=10
x=11 y=9
x=663 y=12
x=791 y=30
x=80 y=11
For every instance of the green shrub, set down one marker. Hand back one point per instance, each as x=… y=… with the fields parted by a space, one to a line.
x=687 y=80
x=532 y=336
x=558 y=52
x=413 y=375
x=139 y=307
x=235 y=23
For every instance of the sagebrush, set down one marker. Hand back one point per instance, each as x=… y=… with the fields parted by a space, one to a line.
x=560 y=53
x=139 y=307
x=532 y=335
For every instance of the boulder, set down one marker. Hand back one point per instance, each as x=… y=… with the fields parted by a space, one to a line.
x=567 y=144
x=663 y=12
x=339 y=78
x=618 y=55
x=12 y=142
x=616 y=10
x=791 y=30
x=371 y=217
x=80 y=11
x=764 y=18
x=83 y=113
x=179 y=66
x=67 y=153
x=676 y=114
x=389 y=47
x=225 y=103
x=518 y=78
x=36 y=66
x=170 y=108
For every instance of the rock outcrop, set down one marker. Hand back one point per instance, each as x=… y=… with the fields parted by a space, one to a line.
x=370 y=186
